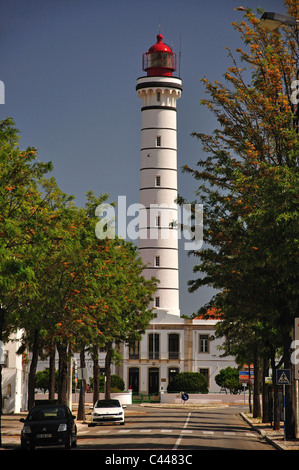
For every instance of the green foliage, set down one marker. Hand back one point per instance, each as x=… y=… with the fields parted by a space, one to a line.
x=229 y=378
x=192 y=382
x=117 y=383
x=42 y=380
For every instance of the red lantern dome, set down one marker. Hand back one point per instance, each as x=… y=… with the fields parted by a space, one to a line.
x=159 y=60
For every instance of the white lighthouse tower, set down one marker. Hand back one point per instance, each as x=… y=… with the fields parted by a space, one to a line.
x=158 y=225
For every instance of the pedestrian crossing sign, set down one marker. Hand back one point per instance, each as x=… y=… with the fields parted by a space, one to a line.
x=283 y=376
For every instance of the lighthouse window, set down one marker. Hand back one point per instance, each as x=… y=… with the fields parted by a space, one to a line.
x=157 y=261
x=158 y=180
x=158 y=141
x=158 y=96
x=157 y=301
x=158 y=220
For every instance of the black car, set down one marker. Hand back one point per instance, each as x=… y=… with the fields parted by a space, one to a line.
x=49 y=425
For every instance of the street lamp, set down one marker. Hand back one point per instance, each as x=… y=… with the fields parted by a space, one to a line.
x=272 y=20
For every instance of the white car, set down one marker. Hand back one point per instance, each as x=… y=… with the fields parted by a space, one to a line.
x=105 y=411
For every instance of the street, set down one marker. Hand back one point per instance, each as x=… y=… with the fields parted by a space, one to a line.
x=149 y=428
x=159 y=429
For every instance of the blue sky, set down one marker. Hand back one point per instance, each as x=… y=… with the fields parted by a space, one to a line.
x=70 y=69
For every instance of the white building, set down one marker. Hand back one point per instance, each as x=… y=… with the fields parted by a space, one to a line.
x=12 y=375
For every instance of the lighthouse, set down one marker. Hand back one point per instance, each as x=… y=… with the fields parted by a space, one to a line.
x=158 y=215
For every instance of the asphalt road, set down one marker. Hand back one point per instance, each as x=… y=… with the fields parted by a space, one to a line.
x=151 y=428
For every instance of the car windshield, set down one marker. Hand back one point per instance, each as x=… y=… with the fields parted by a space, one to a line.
x=39 y=414
x=107 y=404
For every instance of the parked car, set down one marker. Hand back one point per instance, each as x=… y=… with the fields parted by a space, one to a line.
x=107 y=411
x=49 y=425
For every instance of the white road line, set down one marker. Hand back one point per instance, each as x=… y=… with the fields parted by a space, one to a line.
x=208 y=432
x=145 y=430
x=166 y=431
x=229 y=433
x=178 y=441
x=124 y=431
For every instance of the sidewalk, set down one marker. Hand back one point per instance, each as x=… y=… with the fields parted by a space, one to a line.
x=276 y=438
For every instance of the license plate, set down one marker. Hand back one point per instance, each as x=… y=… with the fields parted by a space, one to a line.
x=41 y=436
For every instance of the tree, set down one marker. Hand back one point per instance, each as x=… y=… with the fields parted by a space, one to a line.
x=25 y=194
x=250 y=190
x=229 y=378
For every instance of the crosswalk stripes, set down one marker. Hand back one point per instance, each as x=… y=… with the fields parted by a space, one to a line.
x=166 y=431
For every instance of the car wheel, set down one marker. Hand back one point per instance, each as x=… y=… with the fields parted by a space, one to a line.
x=74 y=443
x=68 y=442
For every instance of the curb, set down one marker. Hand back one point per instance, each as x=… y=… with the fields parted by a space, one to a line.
x=263 y=433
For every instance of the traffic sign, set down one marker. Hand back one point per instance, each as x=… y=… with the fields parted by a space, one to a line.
x=243 y=376
x=82 y=373
x=185 y=396
x=283 y=376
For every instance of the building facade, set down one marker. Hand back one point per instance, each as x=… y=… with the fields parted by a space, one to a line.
x=169 y=346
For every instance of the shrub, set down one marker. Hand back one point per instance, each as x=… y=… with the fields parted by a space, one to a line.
x=188 y=382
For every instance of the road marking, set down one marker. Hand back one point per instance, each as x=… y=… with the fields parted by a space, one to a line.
x=145 y=430
x=124 y=431
x=250 y=434
x=178 y=441
x=166 y=431
x=208 y=432
x=229 y=433
x=186 y=431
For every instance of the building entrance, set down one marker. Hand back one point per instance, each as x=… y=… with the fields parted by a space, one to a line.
x=153 y=380
x=134 y=379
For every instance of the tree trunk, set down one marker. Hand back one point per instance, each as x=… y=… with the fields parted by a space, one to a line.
x=96 y=375
x=290 y=402
x=52 y=373
x=256 y=388
x=265 y=393
x=32 y=371
x=62 y=376
x=249 y=389
x=108 y=370
x=276 y=412
x=81 y=405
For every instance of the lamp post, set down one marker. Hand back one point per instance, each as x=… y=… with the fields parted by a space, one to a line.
x=272 y=20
